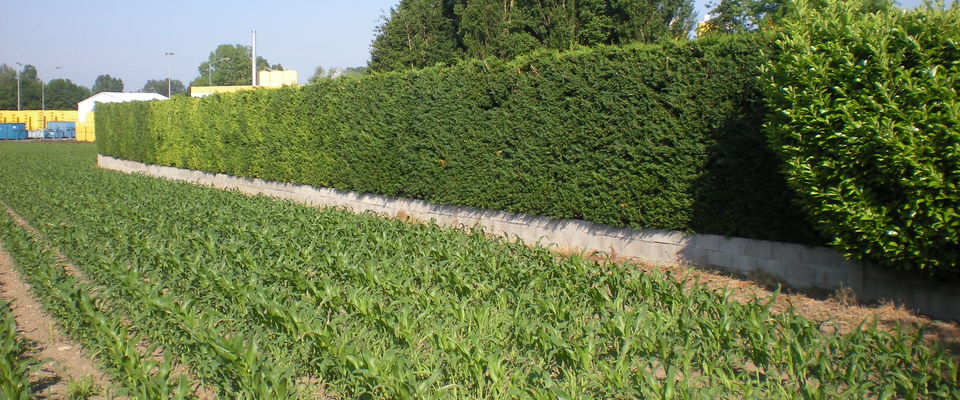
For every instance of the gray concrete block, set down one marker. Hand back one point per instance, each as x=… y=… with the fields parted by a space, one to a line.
x=773 y=267
x=787 y=251
x=706 y=241
x=818 y=256
x=850 y=277
x=669 y=252
x=800 y=274
x=694 y=256
x=718 y=258
x=759 y=249
x=743 y=263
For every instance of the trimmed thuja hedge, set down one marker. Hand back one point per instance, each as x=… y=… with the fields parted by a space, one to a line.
x=664 y=136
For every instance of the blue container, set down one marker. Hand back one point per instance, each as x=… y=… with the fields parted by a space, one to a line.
x=13 y=131
x=61 y=129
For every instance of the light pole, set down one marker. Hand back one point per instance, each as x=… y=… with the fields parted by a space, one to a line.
x=43 y=103
x=169 y=67
x=209 y=78
x=18 y=85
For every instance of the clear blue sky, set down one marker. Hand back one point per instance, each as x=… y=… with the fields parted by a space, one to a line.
x=127 y=39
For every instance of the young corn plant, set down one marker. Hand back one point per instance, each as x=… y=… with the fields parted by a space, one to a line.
x=15 y=364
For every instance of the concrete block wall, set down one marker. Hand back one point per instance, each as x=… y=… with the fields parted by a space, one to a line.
x=792 y=264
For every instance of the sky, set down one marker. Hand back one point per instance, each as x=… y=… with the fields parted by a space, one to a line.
x=127 y=39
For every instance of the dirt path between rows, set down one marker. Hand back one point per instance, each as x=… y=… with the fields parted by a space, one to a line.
x=66 y=357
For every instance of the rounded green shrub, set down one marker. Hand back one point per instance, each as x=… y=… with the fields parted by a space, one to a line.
x=864 y=111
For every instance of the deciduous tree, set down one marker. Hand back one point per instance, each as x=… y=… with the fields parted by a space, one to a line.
x=107 y=83
x=62 y=94
x=420 y=33
x=160 y=86
x=229 y=65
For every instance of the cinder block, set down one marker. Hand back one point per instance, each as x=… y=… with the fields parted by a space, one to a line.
x=773 y=267
x=653 y=252
x=759 y=249
x=786 y=251
x=706 y=241
x=742 y=263
x=734 y=245
x=833 y=278
x=693 y=255
x=670 y=252
x=801 y=274
x=818 y=256
x=718 y=258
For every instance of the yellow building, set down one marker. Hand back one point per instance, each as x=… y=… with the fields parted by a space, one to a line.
x=267 y=79
x=37 y=119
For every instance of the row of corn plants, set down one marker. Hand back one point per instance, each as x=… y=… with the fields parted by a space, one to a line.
x=89 y=320
x=228 y=360
x=15 y=364
x=356 y=306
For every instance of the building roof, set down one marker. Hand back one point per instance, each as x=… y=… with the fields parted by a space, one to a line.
x=89 y=104
x=117 y=97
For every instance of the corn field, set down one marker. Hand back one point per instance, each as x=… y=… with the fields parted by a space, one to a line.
x=263 y=298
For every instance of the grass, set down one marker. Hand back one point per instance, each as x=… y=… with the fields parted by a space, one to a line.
x=81 y=389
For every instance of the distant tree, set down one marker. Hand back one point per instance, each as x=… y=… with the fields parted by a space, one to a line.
x=62 y=94
x=736 y=16
x=160 y=86
x=419 y=33
x=8 y=88
x=354 y=71
x=650 y=21
x=107 y=83
x=29 y=89
x=320 y=73
x=218 y=71
x=416 y=33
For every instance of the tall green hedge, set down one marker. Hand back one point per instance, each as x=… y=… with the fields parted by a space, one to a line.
x=866 y=110
x=664 y=136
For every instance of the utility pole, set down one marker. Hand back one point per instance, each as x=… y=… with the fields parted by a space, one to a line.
x=209 y=76
x=18 y=85
x=43 y=103
x=253 y=60
x=169 y=68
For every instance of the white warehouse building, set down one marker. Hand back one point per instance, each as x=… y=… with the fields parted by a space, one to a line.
x=89 y=104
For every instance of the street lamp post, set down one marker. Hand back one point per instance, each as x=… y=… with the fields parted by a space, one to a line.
x=18 y=85
x=209 y=77
x=169 y=68
x=43 y=103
